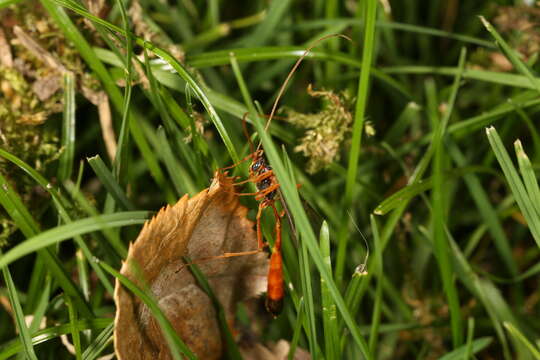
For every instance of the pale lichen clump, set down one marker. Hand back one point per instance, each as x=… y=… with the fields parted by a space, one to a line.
x=326 y=129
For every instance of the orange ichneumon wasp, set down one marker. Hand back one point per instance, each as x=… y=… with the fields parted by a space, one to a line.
x=268 y=192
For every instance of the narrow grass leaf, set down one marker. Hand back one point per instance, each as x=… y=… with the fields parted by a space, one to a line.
x=439 y=219
x=65 y=232
x=18 y=314
x=75 y=335
x=529 y=176
x=14 y=347
x=488 y=213
x=108 y=180
x=15 y=208
x=297 y=329
x=511 y=54
x=329 y=312
x=477 y=346
x=376 y=316
x=65 y=165
x=514 y=182
x=98 y=345
x=518 y=336
x=61 y=204
x=358 y=126
x=470 y=337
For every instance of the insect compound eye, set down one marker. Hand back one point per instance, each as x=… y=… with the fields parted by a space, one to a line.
x=257 y=165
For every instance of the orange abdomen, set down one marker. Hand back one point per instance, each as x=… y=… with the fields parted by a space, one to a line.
x=275 y=290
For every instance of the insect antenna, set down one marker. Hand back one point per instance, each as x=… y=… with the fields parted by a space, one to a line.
x=360 y=269
x=291 y=73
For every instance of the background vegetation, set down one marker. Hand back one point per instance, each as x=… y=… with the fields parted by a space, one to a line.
x=393 y=132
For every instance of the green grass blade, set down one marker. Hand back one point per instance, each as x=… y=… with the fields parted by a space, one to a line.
x=18 y=314
x=359 y=114
x=518 y=336
x=487 y=212
x=108 y=180
x=74 y=332
x=329 y=312
x=514 y=182
x=12 y=348
x=528 y=175
x=470 y=336
x=297 y=329
x=28 y=226
x=376 y=317
x=65 y=166
x=511 y=54
x=65 y=232
x=477 y=346
x=439 y=219
x=61 y=203
x=86 y=52
x=99 y=344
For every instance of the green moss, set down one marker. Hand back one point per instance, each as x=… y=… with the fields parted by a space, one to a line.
x=326 y=130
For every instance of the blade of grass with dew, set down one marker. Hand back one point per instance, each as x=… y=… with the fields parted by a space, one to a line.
x=305 y=274
x=514 y=182
x=65 y=232
x=98 y=345
x=511 y=54
x=358 y=126
x=65 y=165
x=14 y=347
x=176 y=345
x=18 y=314
x=329 y=312
x=376 y=316
x=109 y=181
x=74 y=332
x=61 y=204
x=518 y=336
x=18 y=212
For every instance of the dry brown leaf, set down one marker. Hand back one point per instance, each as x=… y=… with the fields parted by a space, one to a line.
x=207 y=225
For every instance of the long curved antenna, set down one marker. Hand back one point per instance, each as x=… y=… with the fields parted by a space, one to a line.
x=360 y=269
x=291 y=73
